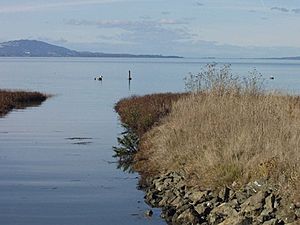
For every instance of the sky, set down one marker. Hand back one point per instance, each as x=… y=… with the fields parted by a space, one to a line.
x=189 y=28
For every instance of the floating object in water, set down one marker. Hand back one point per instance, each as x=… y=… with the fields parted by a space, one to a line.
x=272 y=77
x=98 y=78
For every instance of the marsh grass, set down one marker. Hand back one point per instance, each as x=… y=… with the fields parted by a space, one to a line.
x=141 y=113
x=10 y=100
x=229 y=130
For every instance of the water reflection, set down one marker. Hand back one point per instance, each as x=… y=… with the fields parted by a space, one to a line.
x=129 y=85
x=127 y=147
x=5 y=108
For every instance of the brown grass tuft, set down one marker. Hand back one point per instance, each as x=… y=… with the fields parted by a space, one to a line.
x=19 y=99
x=141 y=113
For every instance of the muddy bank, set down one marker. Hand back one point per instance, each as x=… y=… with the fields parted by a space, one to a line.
x=255 y=203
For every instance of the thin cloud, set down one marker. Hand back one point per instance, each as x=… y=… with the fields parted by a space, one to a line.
x=162 y=31
x=145 y=17
x=199 y=4
x=171 y=22
x=126 y=24
x=286 y=10
x=252 y=11
x=38 y=7
x=281 y=9
x=297 y=11
x=165 y=12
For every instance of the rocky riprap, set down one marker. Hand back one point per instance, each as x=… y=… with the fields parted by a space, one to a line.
x=253 y=204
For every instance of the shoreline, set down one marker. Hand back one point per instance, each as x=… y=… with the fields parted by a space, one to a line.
x=185 y=202
x=255 y=203
x=16 y=99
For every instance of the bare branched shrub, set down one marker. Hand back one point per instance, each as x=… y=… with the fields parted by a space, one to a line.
x=220 y=80
x=253 y=84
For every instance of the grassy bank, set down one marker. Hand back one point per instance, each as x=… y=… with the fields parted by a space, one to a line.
x=141 y=113
x=10 y=100
x=227 y=130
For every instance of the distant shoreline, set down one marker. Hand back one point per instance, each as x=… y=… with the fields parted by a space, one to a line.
x=136 y=57
x=272 y=58
x=153 y=57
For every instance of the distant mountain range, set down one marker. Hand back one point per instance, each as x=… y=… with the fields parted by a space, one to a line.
x=33 y=48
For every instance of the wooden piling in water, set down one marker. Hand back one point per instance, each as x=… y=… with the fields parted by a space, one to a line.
x=129 y=75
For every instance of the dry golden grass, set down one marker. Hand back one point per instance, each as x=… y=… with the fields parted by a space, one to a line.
x=223 y=135
x=19 y=99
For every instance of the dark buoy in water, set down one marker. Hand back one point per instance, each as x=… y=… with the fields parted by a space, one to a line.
x=272 y=77
x=129 y=75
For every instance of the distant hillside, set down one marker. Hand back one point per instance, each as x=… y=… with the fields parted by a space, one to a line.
x=33 y=48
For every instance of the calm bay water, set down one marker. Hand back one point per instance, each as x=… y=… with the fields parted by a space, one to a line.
x=46 y=177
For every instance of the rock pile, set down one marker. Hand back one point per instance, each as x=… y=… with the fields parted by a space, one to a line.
x=253 y=204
